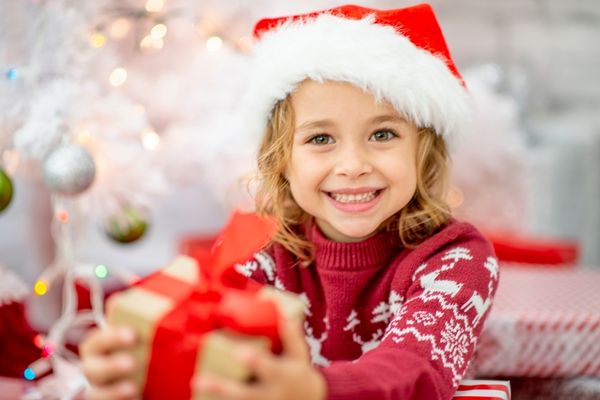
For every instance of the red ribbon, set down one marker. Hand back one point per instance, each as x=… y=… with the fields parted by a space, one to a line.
x=222 y=299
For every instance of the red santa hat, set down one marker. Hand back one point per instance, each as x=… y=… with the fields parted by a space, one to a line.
x=398 y=55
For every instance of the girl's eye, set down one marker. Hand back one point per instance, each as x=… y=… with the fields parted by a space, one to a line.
x=383 y=135
x=321 y=139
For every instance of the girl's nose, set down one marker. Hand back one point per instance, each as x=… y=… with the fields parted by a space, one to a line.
x=353 y=161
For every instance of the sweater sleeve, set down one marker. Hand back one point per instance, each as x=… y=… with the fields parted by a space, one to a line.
x=429 y=342
x=261 y=268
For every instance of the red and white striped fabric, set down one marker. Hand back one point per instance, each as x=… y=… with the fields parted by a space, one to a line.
x=483 y=390
x=544 y=323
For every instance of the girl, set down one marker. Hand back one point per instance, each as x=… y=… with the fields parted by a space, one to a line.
x=357 y=107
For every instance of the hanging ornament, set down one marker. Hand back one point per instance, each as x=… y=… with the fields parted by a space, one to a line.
x=6 y=190
x=69 y=169
x=128 y=227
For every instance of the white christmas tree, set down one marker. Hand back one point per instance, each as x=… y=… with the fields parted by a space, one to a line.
x=112 y=104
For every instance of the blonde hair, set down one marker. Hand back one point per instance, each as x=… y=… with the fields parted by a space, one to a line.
x=424 y=215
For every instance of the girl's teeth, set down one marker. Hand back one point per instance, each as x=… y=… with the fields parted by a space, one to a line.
x=353 y=198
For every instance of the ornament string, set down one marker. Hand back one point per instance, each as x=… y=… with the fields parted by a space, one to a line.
x=67 y=230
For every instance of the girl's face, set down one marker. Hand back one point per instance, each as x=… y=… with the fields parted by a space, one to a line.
x=353 y=162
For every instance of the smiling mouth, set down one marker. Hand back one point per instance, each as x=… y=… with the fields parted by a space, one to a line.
x=354 y=198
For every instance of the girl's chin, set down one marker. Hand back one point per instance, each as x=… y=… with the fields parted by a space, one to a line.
x=353 y=234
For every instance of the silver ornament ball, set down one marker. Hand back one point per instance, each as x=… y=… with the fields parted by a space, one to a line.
x=69 y=169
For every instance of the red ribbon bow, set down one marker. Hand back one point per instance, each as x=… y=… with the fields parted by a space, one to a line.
x=226 y=299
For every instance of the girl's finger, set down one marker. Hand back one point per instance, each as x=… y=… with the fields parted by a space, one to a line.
x=292 y=338
x=227 y=389
x=101 y=370
x=103 y=341
x=262 y=363
x=124 y=390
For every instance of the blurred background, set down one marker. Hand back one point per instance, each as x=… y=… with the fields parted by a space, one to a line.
x=121 y=119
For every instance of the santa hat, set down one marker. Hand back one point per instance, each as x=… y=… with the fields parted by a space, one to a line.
x=399 y=55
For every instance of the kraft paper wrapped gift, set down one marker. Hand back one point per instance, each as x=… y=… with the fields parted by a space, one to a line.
x=191 y=316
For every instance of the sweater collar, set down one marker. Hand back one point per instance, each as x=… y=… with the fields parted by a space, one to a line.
x=367 y=254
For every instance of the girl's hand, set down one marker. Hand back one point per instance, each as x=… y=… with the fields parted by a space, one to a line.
x=106 y=366
x=288 y=376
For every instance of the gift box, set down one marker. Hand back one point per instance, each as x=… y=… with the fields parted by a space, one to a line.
x=191 y=316
x=543 y=323
x=483 y=390
x=536 y=251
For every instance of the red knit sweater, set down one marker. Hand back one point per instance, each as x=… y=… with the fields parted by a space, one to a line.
x=384 y=322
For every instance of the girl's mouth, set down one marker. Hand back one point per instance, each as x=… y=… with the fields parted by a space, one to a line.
x=354 y=198
x=355 y=202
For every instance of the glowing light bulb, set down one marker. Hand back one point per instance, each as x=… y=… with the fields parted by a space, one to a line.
x=101 y=271
x=39 y=367
x=97 y=40
x=214 y=43
x=29 y=374
x=12 y=74
x=38 y=340
x=47 y=350
x=151 y=44
x=40 y=288
x=154 y=5
x=119 y=28
x=150 y=140
x=158 y=31
x=62 y=216
x=84 y=137
x=118 y=76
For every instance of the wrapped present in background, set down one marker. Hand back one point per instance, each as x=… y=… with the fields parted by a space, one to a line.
x=483 y=390
x=534 y=250
x=192 y=315
x=17 y=337
x=544 y=323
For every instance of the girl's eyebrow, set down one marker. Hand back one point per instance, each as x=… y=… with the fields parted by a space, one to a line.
x=327 y=123
x=387 y=118
x=322 y=123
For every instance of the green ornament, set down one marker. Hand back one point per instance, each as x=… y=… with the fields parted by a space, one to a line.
x=6 y=190
x=128 y=227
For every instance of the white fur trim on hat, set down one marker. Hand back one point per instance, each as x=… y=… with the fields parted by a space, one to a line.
x=373 y=57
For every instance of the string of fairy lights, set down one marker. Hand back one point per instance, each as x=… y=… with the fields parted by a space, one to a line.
x=119 y=24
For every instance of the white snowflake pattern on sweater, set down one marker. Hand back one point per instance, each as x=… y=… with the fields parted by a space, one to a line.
x=383 y=312
x=456 y=336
